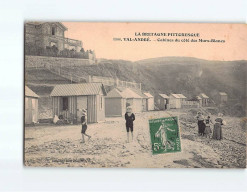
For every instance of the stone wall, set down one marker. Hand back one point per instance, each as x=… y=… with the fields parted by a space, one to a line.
x=43 y=61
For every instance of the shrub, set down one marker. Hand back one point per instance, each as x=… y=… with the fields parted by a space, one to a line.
x=32 y=49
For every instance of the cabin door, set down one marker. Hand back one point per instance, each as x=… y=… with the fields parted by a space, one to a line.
x=81 y=104
x=92 y=109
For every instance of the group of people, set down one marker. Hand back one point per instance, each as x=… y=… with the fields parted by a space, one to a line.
x=129 y=118
x=204 y=128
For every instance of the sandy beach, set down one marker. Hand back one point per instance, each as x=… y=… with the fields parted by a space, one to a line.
x=60 y=145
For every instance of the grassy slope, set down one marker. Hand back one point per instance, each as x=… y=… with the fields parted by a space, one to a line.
x=189 y=76
x=42 y=81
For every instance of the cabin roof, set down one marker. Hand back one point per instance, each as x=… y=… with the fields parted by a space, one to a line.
x=148 y=95
x=203 y=95
x=222 y=93
x=115 y=93
x=198 y=97
x=128 y=93
x=30 y=93
x=78 y=89
x=164 y=96
x=182 y=96
x=139 y=92
x=178 y=96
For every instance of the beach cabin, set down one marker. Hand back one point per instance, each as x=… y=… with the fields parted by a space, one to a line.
x=68 y=100
x=115 y=103
x=176 y=100
x=162 y=101
x=204 y=99
x=198 y=99
x=132 y=99
x=31 y=106
x=150 y=101
x=182 y=98
x=222 y=97
x=144 y=99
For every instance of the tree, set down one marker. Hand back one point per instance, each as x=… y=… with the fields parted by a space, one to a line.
x=82 y=50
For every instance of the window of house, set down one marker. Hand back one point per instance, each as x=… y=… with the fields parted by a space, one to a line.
x=53 y=29
x=65 y=103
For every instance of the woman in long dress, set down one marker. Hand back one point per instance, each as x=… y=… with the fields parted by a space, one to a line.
x=201 y=124
x=217 y=133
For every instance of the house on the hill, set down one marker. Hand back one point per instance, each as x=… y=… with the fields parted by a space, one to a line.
x=176 y=100
x=150 y=101
x=204 y=99
x=115 y=103
x=69 y=99
x=132 y=99
x=223 y=97
x=162 y=101
x=43 y=34
x=31 y=106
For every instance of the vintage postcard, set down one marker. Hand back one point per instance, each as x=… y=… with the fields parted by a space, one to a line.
x=135 y=95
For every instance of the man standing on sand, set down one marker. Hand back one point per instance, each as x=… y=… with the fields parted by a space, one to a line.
x=84 y=125
x=129 y=118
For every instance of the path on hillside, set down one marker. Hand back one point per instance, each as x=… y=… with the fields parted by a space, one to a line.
x=60 y=146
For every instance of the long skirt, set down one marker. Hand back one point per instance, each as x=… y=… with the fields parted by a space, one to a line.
x=201 y=127
x=208 y=130
x=217 y=133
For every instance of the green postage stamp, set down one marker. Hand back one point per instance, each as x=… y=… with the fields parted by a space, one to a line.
x=165 y=135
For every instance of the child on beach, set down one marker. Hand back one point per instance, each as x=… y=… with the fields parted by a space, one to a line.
x=129 y=118
x=208 y=130
x=84 y=125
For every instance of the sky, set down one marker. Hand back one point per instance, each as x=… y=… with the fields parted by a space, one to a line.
x=99 y=37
